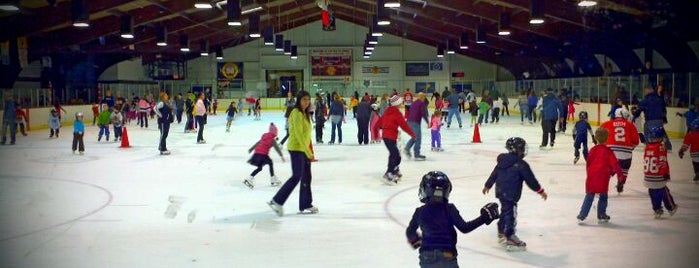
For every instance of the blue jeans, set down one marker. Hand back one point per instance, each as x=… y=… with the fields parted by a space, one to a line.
x=587 y=204
x=452 y=112
x=415 y=127
x=656 y=123
x=438 y=259
x=336 y=121
x=12 y=127
x=524 y=111
x=508 y=217
x=660 y=197
x=103 y=130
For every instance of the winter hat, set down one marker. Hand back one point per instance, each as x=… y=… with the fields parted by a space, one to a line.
x=395 y=100
x=273 y=129
x=374 y=106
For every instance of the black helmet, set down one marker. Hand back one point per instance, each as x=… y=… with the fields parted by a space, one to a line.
x=583 y=115
x=516 y=145
x=434 y=184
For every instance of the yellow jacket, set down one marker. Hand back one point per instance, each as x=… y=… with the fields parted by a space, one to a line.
x=299 y=133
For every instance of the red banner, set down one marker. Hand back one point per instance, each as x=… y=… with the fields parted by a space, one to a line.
x=331 y=63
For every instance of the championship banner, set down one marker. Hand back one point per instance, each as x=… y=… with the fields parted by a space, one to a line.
x=229 y=74
x=375 y=70
x=22 y=49
x=5 y=52
x=331 y=63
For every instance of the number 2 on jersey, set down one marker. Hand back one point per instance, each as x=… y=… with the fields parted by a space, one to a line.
x=619 y=134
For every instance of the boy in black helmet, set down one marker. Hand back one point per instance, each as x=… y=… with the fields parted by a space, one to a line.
x=508 y=176
x=580 y=131
x=437 y=219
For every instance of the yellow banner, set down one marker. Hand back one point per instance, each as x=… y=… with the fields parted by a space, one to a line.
x=22 y=50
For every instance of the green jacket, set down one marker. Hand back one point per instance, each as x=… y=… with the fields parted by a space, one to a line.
x=104 y=118
x=299 y=133
x=483 y=107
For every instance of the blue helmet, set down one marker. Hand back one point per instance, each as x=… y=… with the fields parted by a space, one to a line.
x=694 y=125
x=656 y=133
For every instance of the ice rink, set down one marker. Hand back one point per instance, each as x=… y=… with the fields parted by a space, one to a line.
x=107 y=207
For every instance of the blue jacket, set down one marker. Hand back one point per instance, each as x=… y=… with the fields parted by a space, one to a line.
x=78 y=126
x=580 y=131
x=552 y=107
x=532 y=101
x=437 y=221
x=653 y=107
x=453 y=100
x=689 y=116
x=508 y=176
x=10 y=110
x=336 y=108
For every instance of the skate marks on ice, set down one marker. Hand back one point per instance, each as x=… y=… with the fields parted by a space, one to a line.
x=66 y=158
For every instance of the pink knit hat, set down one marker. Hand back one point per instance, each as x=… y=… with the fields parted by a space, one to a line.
x=273 y=129
x=395 y=100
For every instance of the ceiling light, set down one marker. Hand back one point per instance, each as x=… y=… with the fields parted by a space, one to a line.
x=233 y=13
x=450 y=48
x=204 y=48
x=587 y=3
x=504 y=27
x=537 y=13
x=463 y=44
x=367 y=56
x=294 y=53
x=287 y=47
x=382 y=16
x=268 y=36
x=376 y=30
x=251 y=10
x=440 y=51
x=79 y=13
x=373 y=40
x=161 y=36
x=254 y=25
x=391 y=4
x=126 y=27
x=279 y=42
x=10 y=6
x=368 y=52
x=203 y=4
x=219 y=53
x=184 y=43
x=480 y=35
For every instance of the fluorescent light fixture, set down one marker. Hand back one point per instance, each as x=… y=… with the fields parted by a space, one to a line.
x=382 y=18
x=161 y=36
x=287 y=47
x=279 y=43
x=536 y=21
x=368 y=52
x=127 y=27
x=294 y=53
x=233 y=13
x=370 y=48
x=81 y=24
x=79 y=14
x=536 y=12
x=367 y=56
x=161 y=44
x=184 y=43
x=204 y=48
x=219 y=53
x=375 y=29
x=184 y=49
x=463 y=44
x=384 y=22
x=251 y=10
x=9 y=7
x=504 y=28
x=268 y=36
x=450 y=49
x=204 y=54
x=587 y=3
x=391 y=4
x=203 y=4
x=127 y=36
x=254 y=26
x=376 y=34
x=373 y=40
x=504 y=32
x=480 y=35
x=440 y=51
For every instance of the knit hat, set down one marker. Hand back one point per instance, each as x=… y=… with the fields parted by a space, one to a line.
x=395 y=100
x=273 y=129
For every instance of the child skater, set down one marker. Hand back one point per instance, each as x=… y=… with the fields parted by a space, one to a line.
x=691 y=143
x=78 y=132
x=319 y=114
x=103 y=122
x=474 y=113
x=241 y=102
x=602 y=165
x=20 y=120
x=230 y=115
x=435 y=126
x=437 y=219
x=54 y=123
x=483 y=108
x=580 y=136
x=571 y=109
x=508 y=176
x=373 y=124
x=258 y=108
x=117 y=120
x=391 y=120
x=657 y=172
x=261 y=156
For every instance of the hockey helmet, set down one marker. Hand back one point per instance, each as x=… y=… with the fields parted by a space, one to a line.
x=435 y=185
x=694 y=125
x=78 y=114
x=622 y=113
x=656 y=134
x=583 y=115
x=516 y=145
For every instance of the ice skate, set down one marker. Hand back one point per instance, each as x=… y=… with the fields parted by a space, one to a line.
x=673 y=211
x=166 y=152
x=577 y=158
x=501 y=238
x=275 y=181
x=311 y=210
x=201 y=142
x=514 y=244
x=73 y=151
x=407 y=153
x=603 y=219
x=250 y=182
x=659 y=214
x=277 y=208
x=581 y=220
x=420 y=158
x=82 y=152
x=397 y=174
x=390 y=179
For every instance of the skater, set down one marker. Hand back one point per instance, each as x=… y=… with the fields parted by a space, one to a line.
x=261 y=156
x=179 y=107
x=690 y=115
x=54 y=123
x=483 y=108
x=453 y=101
x=373 y=124
x=624 y=140
x=508 y=176
x=215 y=106
x=337 y=116
x=580 y=136
x=497 y=105
x=657 y=172
x=8 y=119
x=200 y=111
x=117 y=122
x=437 y=219
x=78 y=132
x=230 y=115
x=363 y=114
x=241 y=103
x=258 y=109
x=165 y=117
x=551 y=109
x=143 y=110
x=602 y=165
x=691 y=143
x=300 y=155
x=532 y=102
x=571 y=109
x=320 y=112
x=523 y=108
x=415 y=116
x=103 y=121
x=189 y=112
x=95 y=111
x=654 y=112
x=407 y=101
x=505 y=105
x=20 y=120
x=435 y=129
x=389 y=123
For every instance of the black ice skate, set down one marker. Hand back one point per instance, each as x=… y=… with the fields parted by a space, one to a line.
x=390 y=179
x=575 y=161
x=250 y=182
x=514 y=244
x=603 y=219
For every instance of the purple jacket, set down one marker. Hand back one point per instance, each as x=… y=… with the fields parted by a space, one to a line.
x=417 y=111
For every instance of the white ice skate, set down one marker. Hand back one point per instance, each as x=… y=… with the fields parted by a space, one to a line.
x=311 y=210
x=514 y=244
x=250 y=182
x=277 y=208
x=659 y=214
x=390 y=179
x=673 y=211
x=275 y=181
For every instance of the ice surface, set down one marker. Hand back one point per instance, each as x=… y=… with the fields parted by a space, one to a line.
x=107 y=208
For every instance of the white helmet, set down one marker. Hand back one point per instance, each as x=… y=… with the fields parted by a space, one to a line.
x=622 y=113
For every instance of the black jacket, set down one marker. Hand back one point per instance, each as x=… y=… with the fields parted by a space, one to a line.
x=437 y=221
x=363 y=111
x=508 y=176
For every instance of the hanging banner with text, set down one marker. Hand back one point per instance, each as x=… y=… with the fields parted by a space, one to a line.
x=229 y=75
x=331 y=63
x=22 y=48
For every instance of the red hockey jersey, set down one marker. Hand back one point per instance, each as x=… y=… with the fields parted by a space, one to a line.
x=691 y=143
x=623 y=137
x=656 y=170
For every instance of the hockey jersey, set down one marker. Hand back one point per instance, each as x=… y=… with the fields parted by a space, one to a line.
x=656 y=170
x=623 y=137
x=691 y=143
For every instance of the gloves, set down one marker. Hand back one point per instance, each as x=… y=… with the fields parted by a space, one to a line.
x=489 y=212
x=681 y=154
x=415 y=243
x=619 y=187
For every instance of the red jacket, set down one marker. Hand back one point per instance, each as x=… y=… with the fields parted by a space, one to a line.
x=601 y=165
x=390 y=121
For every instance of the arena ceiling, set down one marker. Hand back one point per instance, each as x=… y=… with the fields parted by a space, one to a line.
x=569 y=34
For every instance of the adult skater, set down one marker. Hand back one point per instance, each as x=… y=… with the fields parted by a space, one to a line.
x=200 y=118
x=453 y=100
x=551 y=109
x=165 y=118
x=363 y=116
x=300 y=155
x=8 y=119
x=418 y=112
x=655 y=112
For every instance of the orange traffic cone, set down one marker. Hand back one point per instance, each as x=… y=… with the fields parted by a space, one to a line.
x=310 y=145
x=476 y=135
x=124 y=139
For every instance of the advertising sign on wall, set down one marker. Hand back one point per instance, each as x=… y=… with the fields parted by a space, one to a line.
x=417 y=69
x=331 y=63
